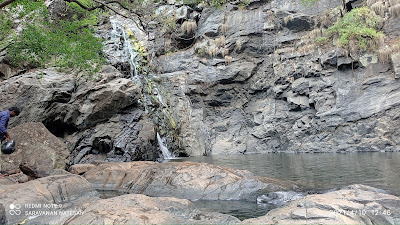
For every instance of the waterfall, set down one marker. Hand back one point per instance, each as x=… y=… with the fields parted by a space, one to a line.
x=166 y=153
x=128 y=50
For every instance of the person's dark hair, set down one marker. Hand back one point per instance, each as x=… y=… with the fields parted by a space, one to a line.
x=15 y=110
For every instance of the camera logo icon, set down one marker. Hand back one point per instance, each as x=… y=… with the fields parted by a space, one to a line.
x=15 y=209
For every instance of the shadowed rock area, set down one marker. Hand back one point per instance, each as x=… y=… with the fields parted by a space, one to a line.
x=64 y=102
x=36 y=148
x=99 y=119
x=127 y=136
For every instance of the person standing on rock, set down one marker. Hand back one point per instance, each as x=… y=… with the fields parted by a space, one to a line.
x=4 y=117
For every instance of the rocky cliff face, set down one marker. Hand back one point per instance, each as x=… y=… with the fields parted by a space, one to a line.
x=240 y=81
x=99 y=120
x=259 y=91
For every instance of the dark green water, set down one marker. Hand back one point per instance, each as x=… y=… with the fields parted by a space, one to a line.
x=319 y=172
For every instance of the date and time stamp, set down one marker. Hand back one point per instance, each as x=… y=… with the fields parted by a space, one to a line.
x=363 y=212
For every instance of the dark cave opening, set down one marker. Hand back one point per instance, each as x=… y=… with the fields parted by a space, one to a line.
x=59 y=128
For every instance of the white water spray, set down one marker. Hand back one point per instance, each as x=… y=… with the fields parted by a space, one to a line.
x=166 y=153
x=128 y=50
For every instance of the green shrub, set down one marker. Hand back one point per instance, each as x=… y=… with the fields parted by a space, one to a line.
x=69 y=43
x=5 y=29
x=321 y=40
x=358 y=26
x=30 y=8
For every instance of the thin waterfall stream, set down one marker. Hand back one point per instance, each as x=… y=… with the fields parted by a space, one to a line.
x=118 y=32
x=166 y=153
x=129 y=52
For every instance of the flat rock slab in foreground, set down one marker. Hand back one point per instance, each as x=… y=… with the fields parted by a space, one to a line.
x=141 y=209
x=70 y=199
x=23 y=200
x=355 y=204
x=182 y=180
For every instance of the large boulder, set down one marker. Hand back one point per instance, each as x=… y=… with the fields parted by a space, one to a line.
x=36 y=148
x=141 y=209
x=183 y=180
x=355 y=204
x=129 y=136
x=45 y=194
x=65 y=103
x=70 y=199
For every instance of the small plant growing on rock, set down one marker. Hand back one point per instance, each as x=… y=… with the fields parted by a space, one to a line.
x=287 y=19
x=167 y=44
x=238 y=45
x=379 y=8
x=384 y=54
x=224 y=28
x=394 y=2
x=219 y=42
x=371 y=2
x=210 y=53
x=395 y=11
x=316 y=33
x=228 y=59
x=215 y=52
x=225 y=52
x=188 y=27
x=201 y=51
x=359 y=27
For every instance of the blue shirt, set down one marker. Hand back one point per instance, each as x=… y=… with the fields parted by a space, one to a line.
x=4 y=117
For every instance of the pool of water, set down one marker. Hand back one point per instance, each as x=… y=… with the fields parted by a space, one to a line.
x=239 y=209
x=320 y=171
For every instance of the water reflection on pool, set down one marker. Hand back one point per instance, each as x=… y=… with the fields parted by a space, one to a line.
x=319 y=171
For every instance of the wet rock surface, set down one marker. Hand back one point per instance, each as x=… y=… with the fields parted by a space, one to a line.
x=129 y=136
x=195 y=181
x=37 y=150
x=279 y=198
x=355 y=204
